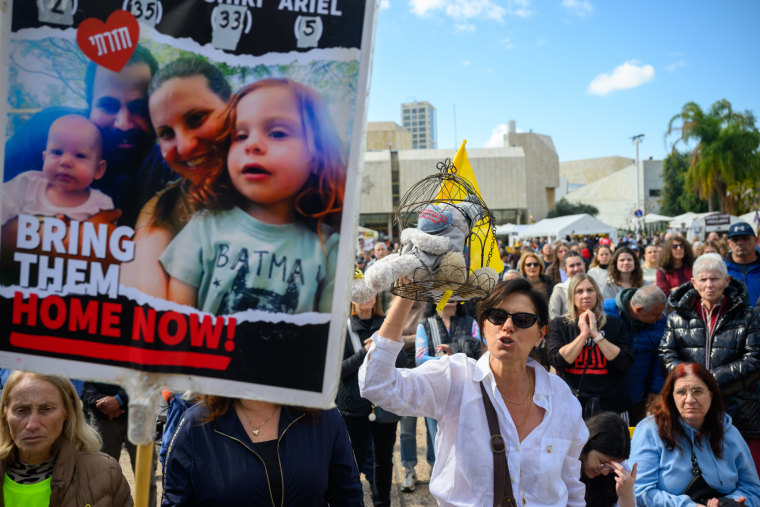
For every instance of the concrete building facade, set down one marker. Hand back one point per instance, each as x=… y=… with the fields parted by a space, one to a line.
x=388 y=135
x=615 y=194
x=516 y=182
x=420 y=118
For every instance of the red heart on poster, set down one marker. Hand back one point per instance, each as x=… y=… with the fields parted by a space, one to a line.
x=112 y=43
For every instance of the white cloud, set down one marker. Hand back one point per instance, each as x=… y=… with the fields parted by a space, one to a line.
x=497 y=136
x=580 y=8
x=466 y=63
x=422 y=7
x=384 y=4
x=507 y=43
x=675 y=65
x=462 y=10
x=628 y=75
x=464 y=27
x=519 y=8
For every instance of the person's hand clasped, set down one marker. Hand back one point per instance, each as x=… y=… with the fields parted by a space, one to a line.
x=624 y=484
x=591 y=319
x=583 y=324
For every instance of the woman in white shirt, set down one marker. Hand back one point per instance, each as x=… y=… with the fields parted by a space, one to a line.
x=538 y=417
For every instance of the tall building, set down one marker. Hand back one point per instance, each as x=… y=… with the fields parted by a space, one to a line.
x=420 y=119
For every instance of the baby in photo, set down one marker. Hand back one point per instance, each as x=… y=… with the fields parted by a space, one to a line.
x=72 y=160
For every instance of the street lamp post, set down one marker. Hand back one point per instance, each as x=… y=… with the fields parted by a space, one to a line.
x=636 y=140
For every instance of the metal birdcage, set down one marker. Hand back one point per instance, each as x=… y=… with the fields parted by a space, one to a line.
x=446 y=186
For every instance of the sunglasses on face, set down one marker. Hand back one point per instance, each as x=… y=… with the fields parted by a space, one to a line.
x=498 y=317
x=531 y=264
x=677 y=247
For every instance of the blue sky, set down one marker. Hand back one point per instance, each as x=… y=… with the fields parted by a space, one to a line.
x=590 y=74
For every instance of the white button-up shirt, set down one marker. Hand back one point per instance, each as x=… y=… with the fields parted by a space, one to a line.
x=544 y=468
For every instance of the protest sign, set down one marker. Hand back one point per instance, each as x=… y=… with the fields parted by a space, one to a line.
x=178 y=193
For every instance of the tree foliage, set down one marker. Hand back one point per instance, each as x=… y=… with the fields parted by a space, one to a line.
x=677 y=196
x=563 y=208
x=724 y=162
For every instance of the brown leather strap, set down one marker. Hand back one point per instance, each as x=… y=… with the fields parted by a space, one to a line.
x=502 y=482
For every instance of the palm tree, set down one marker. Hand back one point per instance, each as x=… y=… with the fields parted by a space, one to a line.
x=724 y=162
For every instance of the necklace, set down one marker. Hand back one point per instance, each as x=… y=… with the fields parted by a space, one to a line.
x=530 y=407
x=530 y=393
x=256 y=429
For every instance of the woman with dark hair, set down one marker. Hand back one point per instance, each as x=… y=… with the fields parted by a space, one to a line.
x=187 y=98
x=624 y=272
x=364 y=427
x=676 y=261
x=556 y=271
x=600 y=264
x=531 y=267
x=533 y=413
x=591 y=350
x=688 y=434
x=229 y=451
x=608 y=481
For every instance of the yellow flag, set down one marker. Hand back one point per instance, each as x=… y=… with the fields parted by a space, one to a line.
x=450 y=191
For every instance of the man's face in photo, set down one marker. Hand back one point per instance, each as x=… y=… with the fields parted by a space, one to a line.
x=120 y=108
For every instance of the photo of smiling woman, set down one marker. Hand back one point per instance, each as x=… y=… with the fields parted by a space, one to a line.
x=187 y=101
x=267 y=238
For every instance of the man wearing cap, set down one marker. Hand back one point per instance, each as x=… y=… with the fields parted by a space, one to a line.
x=743 y=261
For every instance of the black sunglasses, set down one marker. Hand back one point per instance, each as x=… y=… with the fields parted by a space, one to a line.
x=498 y=317
x=531 y=264
x=677 y=246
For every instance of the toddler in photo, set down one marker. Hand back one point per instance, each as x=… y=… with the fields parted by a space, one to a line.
x=267 y=239
x=72 y=160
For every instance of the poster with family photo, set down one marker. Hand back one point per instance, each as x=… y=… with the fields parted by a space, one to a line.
x=178 y=190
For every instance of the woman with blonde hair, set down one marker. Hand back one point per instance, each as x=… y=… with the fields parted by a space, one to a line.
x=49 y=455
x=532 y=268
x=591 y=350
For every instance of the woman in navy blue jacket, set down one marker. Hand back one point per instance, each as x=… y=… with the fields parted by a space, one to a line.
x=239 y=452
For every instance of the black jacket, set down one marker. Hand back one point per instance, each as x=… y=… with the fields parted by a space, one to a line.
x=349 y=401
x=734 y=350
x=591 y=373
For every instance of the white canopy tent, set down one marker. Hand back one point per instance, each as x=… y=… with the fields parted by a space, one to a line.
x=652 y=218
x=752 y=218
x=570 y=225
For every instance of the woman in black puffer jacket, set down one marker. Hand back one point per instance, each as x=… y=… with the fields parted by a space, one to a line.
x=732 y=354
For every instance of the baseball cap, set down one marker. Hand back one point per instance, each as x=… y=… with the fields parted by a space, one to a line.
x=740 y=229
x=605 y=241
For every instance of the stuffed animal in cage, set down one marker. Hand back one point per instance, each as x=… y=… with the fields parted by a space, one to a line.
x=432 y=250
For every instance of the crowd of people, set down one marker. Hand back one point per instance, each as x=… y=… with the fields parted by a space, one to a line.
x=527 y=396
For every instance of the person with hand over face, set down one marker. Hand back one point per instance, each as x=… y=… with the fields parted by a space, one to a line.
x=49 y=455
x=535 y=414
x=609 y=481
x=591 y=350
x=690 y=432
